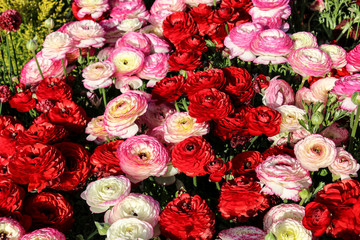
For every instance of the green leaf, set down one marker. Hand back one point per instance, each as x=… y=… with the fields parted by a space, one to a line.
x=102 y=228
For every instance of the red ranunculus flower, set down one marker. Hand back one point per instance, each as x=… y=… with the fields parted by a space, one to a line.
x=217 y=169
x=191 y=155
x=22 y=101
x=187 y=217
x=77 y=167
x=277 y=150
x=193 y=43
x=263 y=120
x=49 y=209
x=178 y=26
x=66 y=113
x=212 y=78
x=104 y=160
x=241 y=199
x=184 y=61
x=37 y=165
x=245 y=163
x=11 y=196
x=8 y=138
x=317 y=218
x=224 y=14
x=169 y=89
x=209 y=104
x=238 y=84
x=53 y=88
x=201 y=15
x=4 y=162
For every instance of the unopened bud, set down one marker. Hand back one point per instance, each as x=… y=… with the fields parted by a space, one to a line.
x=317 y=118
x=304 y=193
x=270 y=236
x=355 y=98
x=31 y=45
x=49 y=23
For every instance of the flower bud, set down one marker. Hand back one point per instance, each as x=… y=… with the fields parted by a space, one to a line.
x=270 y=236
x=317 y=118
x=49 y=23
x=304 y=193
x=31 y=45
x=355 y=98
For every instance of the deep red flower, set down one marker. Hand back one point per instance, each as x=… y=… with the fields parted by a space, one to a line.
x=22 y=101
x=193 y=43
x=245 y=163
x=201 y=15
x=53 y=88
x=5 y=93
x=10 y=20
x=212 y=78
x=217 y=169
x=224 y=14
x=11 y=196
x=169 y=89
x=238 y=84
x=277 y=150
x=184 y=61
x=263 y=120
x=9 y=136
x=317 y=218
x=187 y=217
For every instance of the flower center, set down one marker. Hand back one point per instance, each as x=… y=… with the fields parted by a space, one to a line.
x=3 y=236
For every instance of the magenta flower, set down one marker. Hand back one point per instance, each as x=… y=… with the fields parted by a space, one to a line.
x=345 y=87
x=269 y=4
x=130 y=10
x=278 y=93
x=242 y=232
x=352 y=58
x=158 y=45
x=170 y=5
x=155 y=68
x=135 y=40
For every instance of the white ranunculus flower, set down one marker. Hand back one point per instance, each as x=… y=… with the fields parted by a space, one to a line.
x=290 y=229
x=290 y=116
x=130 y=229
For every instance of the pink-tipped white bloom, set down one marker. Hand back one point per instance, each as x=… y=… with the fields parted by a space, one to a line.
x=345 y=87
x=106 y=192
x=352 y=58
x=95 y=8
x=135 y=205
x=130 y=25
x=121 y=113
x=239 y=39
x=290 y=227
x=272 y=18
x=135 y=40
x=309 y=61
x=271 y=45
x=345 y=165
x=44 y=234
x=170 y=5
x=155 y=68
x=278 y=93
x=105 y=53
x=128 y=60
x=339 y=135
x=141 y=157
x=96 y=130
x=112 y=33
x=128 y=83
x=305 y=95
x=158 y=45
x=337 y=55
x=195 y=3
x=156 y=21
x=57 y=45
x=283 y=211
x=269 y=4
x=98 y=75
x=30 y=74
x=315 y=152
x=322 y=87
x=304 y=39
x=130 y=228
x=87 y=33
x=130 y=10
x=181 y=125
x=242 y=232
x=11 y=228
x=283 y=176
x=156 y=114
x=290 y=116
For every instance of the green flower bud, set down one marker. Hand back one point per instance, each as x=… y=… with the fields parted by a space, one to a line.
x=304 y=193
x=270 y=236
x=317 y=118
x=31 y=45
x=355 y=98
x=49 y=23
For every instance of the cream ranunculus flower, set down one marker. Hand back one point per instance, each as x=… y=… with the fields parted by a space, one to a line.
x=289 y=228
x=322 y=87
x=303 y=39
x=130 y=229
x=98 y=75
x=345 y=165
x=290 y=116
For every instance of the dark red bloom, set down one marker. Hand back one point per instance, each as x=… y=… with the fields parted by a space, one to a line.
x=22 y=101
x=169 y=89
x=10 y=20
x=53 y=88
x=187 y=217
x=9 y=136
x=263 y=120
x=184 y=61
x=277 y=150
x=238 y=84
x=317 y=218
x=11 y=196
x=217 y=169
x=194 y=43
x=5 y=93
x=212 y=78
x=224 y=14
x=201 y=15
x=245 y=163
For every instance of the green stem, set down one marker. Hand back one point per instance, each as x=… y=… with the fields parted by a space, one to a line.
x=64 y=68
x=251 y=142
x=195 y=181
x=214 y=3
x=302 y=82
x=87 y=55
x=183 y=101
x=217 y=186
x=92 y=235
x=102 y=91
x=177 y=107
x=0 y=107
x=37 y=64
x=13 y=48
x=353 y=132
x=9 y=57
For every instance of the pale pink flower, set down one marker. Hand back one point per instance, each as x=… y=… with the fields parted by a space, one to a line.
x=271 y=45
x=239 y=39
x=128 y=83
x=353 y=60
x=283 y=211
x=170 y=5
x=57 y=45
x=130 y=25
x=298 y=135
x=135 y=205
x=345 y=165
x=30 y=74
x=11 y=229
x=128 y=60
x=315 y=152
x=87 y=33
x=141 y=157
x=156 y=20
x=112 y=33
x=322 y=87
x=181 y=125
x=135 y=40
x=96 y=130
x=98 y=75
x=337 y=55
x=156 y=114
x=155 y=68
x=338 y=134
x=130 y=228
x=242 y=232
x=345 y=87
x=283 y=227
x=283 y=176
x=290 y=116
x=195 y=3
x=105 y=53
x=304 y=39
x=158 y=45
x=121 y=113
x=269 y=4
x=278 y=93
x=305 y=95
x=95 y=8
x=106 y=192
x=130 y=10
x=115 y=3
x=272 y=18
x=44 y=233
x=309 y=61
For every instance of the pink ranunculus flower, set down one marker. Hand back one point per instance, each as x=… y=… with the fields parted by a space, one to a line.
x=298 y=135
x=283 y=176
x=57 y=45
x=242 y=232
x=305 y=95
x=95 y=8
x=86 y=33
x=310 y=61
x=239 y=39
x=181 y=125
x=352 y=58
x=338 y=134
x=128 y=83
x=345 y=87
x=290 y=116
x=158 y=45
x=11 y=229
x=106 y=192
x=337 y=55
x=98 y=75
x=304 y=39
x=96 y=130
x=156 y=20
x=45 y=234
x=141 y=157
x=121 y=113
x=155 y=68
x=322 y=87
x=269 y=4
x=315 y=152
x=195 y=3
x=345 y=165
x=170 y=5
x=135 y=40
x=271 y=45
x=105 y=53
x=30 y=74
x=130 y=10
x=135 y=205
x=283 y=211
x=278 y=93
x=272 y=18
x=112 y=33
x=128 y=60
x=156 y=114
